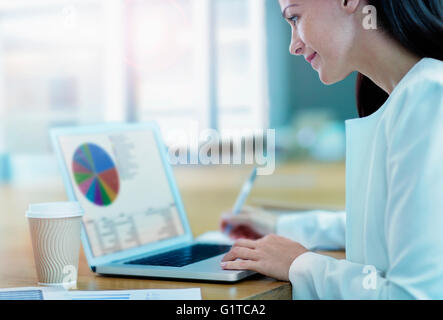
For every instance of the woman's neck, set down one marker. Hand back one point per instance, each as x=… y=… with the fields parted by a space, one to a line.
x=384 y=61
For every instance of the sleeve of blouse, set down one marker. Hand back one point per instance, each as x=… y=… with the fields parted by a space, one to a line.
x=316 y=230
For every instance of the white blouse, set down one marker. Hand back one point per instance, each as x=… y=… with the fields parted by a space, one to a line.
x=394 y=203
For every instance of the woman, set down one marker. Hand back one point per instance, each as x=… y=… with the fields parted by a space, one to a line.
x=394 y=161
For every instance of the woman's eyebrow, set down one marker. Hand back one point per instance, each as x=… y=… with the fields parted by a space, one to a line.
x=284 y=10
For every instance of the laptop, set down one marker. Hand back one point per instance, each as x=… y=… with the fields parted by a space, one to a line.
x=134 y=223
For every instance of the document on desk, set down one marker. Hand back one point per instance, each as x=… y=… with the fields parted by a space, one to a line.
x=33 y=293
x=150 y=294
x=47 y=293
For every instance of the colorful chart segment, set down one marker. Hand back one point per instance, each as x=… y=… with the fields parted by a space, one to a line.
x=95 y=174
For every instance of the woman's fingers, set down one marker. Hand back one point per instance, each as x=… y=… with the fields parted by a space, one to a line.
x=239 y=265
x=242 y=232
x=241 y=222
x=240 y=253
x=251 y=244
x=239 y=226
x=242 y=249
x=271 y=256
x=242 y=256
x=227 y=219
x=223 y=224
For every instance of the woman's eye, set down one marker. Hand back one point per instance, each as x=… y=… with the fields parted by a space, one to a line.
x=294 y=19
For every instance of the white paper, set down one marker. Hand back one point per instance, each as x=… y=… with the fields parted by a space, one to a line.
x=149 y=294
x=33 y=293
x=49 y=293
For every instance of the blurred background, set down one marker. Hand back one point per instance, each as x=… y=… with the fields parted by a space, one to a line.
x=223 y=64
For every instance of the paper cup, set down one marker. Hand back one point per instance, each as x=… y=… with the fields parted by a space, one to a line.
x=55 y=234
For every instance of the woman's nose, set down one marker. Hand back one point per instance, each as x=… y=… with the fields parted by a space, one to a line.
x=296 y=47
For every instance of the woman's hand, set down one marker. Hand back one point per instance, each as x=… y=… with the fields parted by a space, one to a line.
x=271 y=255
x=250 y=223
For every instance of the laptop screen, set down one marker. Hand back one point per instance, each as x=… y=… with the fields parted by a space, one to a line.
x=121 y=183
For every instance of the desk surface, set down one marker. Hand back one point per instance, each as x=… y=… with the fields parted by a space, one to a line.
x=206 y=192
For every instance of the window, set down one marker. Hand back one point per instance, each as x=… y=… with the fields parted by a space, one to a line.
x=198 y=61
x=241 y=72
x=181 y=63
x=168 y=61
x=52 y=69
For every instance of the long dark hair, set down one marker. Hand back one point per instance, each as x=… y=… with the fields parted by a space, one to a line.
x=418 y=26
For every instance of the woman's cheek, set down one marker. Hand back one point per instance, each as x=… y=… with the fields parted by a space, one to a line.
x=308 y=36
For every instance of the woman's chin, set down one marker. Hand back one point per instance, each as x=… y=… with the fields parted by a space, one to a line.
x=325 y=79
x=328 y=79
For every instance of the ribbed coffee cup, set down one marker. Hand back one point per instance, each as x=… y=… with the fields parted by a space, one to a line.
x=55 y=234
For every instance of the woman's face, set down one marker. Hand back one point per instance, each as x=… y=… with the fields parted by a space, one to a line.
x=324 y=32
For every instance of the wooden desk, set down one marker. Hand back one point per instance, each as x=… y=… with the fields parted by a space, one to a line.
x=206 y=192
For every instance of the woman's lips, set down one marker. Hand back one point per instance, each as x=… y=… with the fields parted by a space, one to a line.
x=311 y=57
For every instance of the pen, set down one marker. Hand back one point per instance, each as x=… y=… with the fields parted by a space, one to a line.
x=247 y=186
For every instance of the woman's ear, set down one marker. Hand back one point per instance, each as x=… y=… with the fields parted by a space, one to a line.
x=350 y=5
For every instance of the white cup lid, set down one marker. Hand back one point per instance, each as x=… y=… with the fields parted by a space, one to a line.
x=54 y=210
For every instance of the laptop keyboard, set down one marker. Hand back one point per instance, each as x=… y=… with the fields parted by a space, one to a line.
x=183 y=256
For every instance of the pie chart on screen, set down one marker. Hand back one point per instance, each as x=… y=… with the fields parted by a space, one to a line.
x=95 y=174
